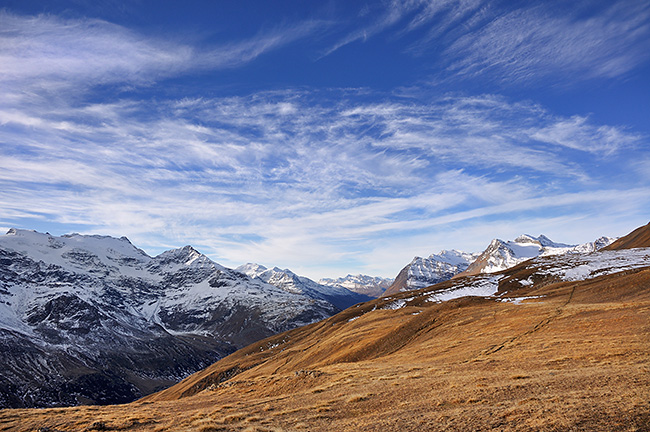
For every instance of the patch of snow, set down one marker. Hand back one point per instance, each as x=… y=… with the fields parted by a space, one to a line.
x=396 y=304
x=586 y=266
x=478 y=286
x=517 y=300
x=581 y=272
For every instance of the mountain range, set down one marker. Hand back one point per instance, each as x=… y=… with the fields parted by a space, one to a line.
x=288 y=281
x=94 y=319
x=556 y=342
x=499 y=255
x=373 y=286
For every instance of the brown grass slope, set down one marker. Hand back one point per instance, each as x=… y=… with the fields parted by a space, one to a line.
x=577 y=358
x=640 y=237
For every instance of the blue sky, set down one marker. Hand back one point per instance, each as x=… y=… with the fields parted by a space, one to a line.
x=326 y=137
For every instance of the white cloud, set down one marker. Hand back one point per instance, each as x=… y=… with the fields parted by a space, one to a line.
x=393 y=13
x=576 y=133
x=515 y=44
x=51 y=53
x=407 y=16
x=277 y=178
x=537 y=42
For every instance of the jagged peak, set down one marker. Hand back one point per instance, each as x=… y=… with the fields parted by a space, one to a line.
x=185 y=255
x=279 y=270
x=495 y=244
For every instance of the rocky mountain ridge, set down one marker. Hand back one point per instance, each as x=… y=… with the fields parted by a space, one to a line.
x=94 y=319
x=288 y=281
x=423 y=272
x=373 y=286
x=499 y=255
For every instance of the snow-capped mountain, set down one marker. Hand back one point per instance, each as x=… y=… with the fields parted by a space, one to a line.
x=372 y=286
x=423 y=272
x=94 y=319
x=595 y=245
x=291 y=282
x=498 y=256
x=501 y=255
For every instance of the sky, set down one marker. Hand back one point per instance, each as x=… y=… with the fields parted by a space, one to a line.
x=327 y=137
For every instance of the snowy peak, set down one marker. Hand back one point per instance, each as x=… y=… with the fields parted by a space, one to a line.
x=30 y=240
x=542 y=240
x=423 y=272
x=453 y=257
x=501 y=255
x=251 y=269
x=184 y=257
x=525 y=238
x=281 y=278
x=599 y=243
x=97 y=300
x=75 y=252
x=547 y=242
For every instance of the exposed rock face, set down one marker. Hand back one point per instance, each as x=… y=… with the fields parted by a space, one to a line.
x=423 y=272
x=91 y=319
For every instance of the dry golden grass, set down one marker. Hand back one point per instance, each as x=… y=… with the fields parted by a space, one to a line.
x=577 y=359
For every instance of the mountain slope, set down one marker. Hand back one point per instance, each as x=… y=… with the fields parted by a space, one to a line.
x=423 y=272
x=554 y=343
x=93 y=319
x=288 y=281
x=640 y=237
x=549 y=279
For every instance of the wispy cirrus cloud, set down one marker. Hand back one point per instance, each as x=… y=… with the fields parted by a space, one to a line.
x=543 y=41
x=50 y=52
x=282 y=177
x=393 y=13
x=523 y=44
x=576 y=133
x=402 y=17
